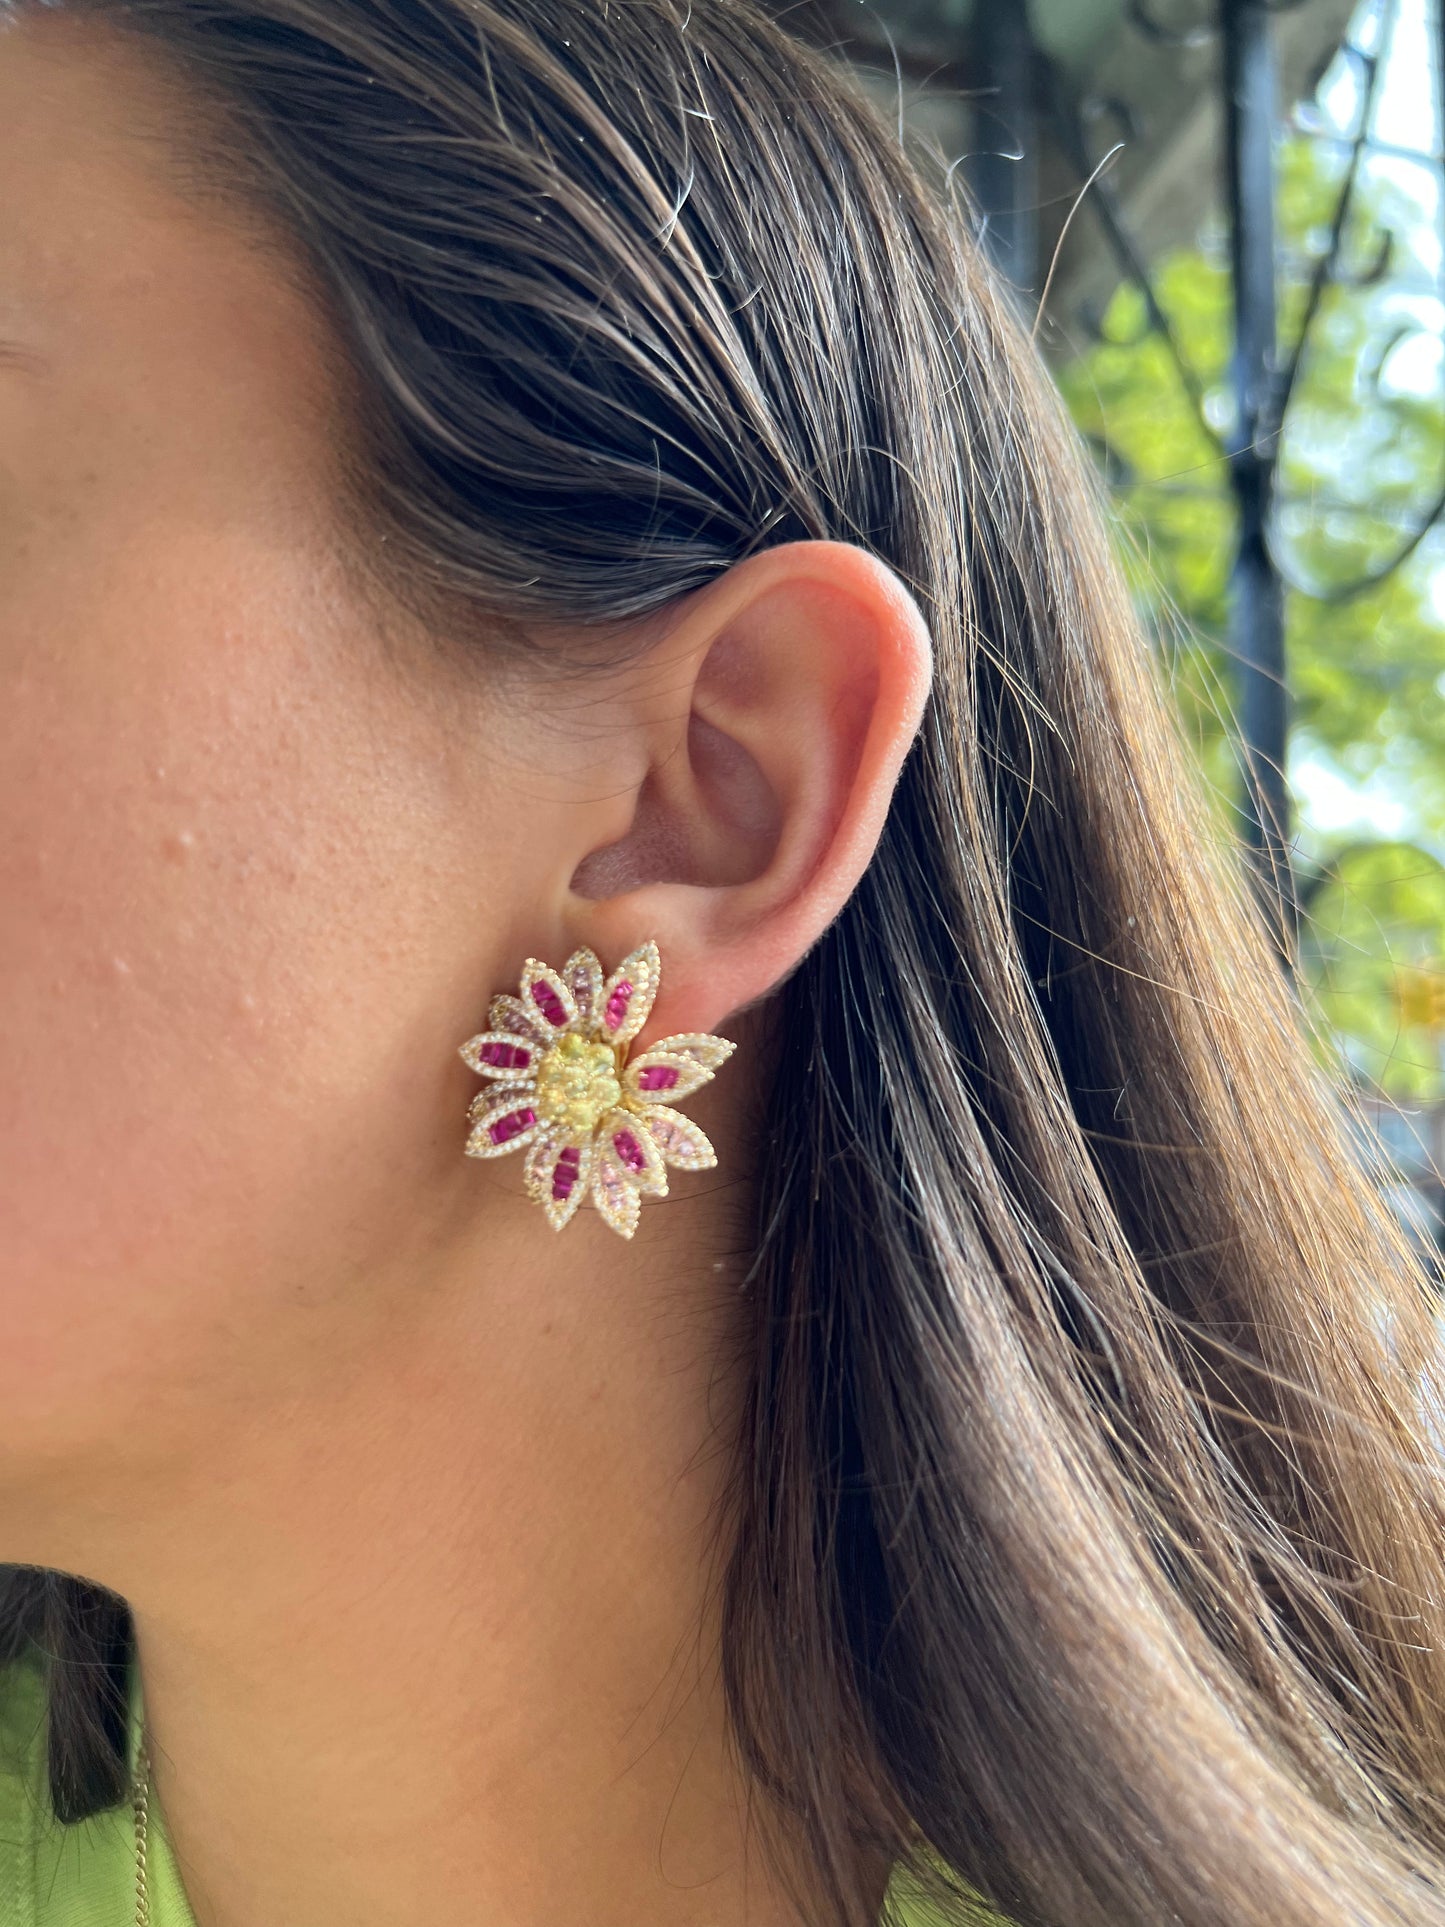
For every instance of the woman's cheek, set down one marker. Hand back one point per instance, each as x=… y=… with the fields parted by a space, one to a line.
x=200 y=882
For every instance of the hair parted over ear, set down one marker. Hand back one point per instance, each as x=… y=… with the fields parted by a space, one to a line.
x=1085 y=1544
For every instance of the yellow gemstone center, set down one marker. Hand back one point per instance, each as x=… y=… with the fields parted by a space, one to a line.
x=576 y=1084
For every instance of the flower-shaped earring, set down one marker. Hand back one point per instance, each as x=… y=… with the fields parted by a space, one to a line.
x=564 y=1086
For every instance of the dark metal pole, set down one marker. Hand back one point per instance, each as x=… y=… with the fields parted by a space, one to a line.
x=1003 y=169
x=1256 y=597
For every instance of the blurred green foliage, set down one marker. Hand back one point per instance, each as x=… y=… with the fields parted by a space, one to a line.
x=1370 y=953
x=1361 y=464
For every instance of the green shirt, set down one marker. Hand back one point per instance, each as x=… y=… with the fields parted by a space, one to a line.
x=84 y=1876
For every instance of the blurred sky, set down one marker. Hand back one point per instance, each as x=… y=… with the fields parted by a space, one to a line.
x=1405 y=157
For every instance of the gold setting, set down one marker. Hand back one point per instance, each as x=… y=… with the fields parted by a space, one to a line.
x=576 y=1082
x=561 y=1085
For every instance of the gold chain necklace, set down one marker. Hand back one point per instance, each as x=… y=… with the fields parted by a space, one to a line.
x=140 y=1794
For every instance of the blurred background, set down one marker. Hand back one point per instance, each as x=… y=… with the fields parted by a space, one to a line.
x=1226 y=219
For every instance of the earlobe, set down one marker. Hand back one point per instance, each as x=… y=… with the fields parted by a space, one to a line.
x=806 y=670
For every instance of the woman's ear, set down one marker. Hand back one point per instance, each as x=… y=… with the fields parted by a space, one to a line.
x=776 y=713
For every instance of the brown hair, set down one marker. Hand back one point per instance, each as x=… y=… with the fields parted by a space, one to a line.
x=1086 y=1534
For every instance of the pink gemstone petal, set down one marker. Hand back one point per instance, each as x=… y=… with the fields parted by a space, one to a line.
x=500 y=1054
x=510 y=1014
x=625 y=1011
x=679 y=1140
x=698 y=1047
x=507 y=1126
x=656 y=1073
x=567 y=1186
x=537 y=1167
x=582 y=974
x=496 y=1098
x=627 y=1148
x=545 y=991
x=624 y=1137
x=504 y=1129
x=615 y=1195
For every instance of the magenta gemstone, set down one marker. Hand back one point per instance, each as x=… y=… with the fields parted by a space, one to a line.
x=656 y=1077
x=629 y=1150
x=549 y=1003
x=512 y=1125
x=506 y=1057
x=564 y=1175
x=617 y=1005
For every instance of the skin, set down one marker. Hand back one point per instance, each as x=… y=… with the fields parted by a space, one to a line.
x=413 y=1498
